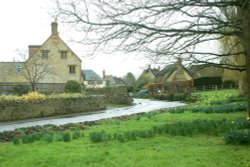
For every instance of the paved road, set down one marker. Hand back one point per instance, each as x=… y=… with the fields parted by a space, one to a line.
x=141 y=105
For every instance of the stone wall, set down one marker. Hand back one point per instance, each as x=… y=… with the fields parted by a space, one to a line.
x=7 y=88
x=113 y=95
x=25 y=109
x=107 y=91
x=119 y=99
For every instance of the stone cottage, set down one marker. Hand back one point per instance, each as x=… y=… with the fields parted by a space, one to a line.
x=148 y=76
x=50 y=65
x=173 y=78
x=92 y=79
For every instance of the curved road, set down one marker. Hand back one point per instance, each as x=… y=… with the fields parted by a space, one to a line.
x=141 y=105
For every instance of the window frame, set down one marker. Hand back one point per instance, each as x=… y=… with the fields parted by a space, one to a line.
x=72 y=69
x=63 y=54
x=45 y=54
x=19 y=68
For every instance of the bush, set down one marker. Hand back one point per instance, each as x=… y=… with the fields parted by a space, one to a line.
x=175 y=97
x=67 y=137
x=48 y=137
x=72 y=87
x=16 y=141
x=33 y=95
x=177 y=110
x=76 y=134
x=238 y=137
x=99 y=136
x=29 y=138
x=20 y=89
x=120 y=138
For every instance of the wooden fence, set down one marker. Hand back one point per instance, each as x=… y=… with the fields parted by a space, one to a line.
x=215 y=87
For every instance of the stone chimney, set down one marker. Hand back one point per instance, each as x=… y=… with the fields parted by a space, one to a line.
x=179 y=60
x=103 y=74
x=33 y=49
x=54 y=30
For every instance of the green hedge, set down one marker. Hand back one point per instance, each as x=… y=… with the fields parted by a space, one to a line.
x=238 y=137
x=174 y=97
x=205 y=81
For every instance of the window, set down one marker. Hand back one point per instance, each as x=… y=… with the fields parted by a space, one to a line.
x=91 y=82
x=18 y=68
x=99 y=82
x=63 y=54
x=45 y=54
x=72 y=69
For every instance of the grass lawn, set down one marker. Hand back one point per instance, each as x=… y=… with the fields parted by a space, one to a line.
x=199 y=150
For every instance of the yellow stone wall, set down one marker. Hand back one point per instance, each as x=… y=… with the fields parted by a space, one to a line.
x=179 y=75
x=9 y=73
x=59 y=67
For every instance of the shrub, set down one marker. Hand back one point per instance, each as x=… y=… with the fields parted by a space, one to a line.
x=177 y=110
x=33 y=95
x=164 y=96
x=16 y=141
x=72 y=87
x=76 y=134
x=20 y=89
x=99 y=136
x=241 y=137
x=67 y=137
x=130 y=135
x=175 y=97
x=121 y=138
x=48 y=137
x=28 y=138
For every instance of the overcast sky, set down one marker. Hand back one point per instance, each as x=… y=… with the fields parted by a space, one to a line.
x=27 y=22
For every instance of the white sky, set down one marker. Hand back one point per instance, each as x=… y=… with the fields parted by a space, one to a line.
x=27 y=22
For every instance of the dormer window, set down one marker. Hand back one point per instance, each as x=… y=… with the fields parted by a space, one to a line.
x=63 y=54
x=45 y=54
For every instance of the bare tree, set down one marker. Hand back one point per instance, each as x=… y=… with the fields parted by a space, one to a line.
x=35 y=69
x=164 y=28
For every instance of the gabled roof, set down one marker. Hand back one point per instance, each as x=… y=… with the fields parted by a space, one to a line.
x=9 y=66
x=50 y=37
x=9 y=70
x=168 y=71
x=200 y=71
x=90 y=75
x=117 y=80
x=154 y=71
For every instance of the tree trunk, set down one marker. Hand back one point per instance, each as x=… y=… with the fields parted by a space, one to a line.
x=33 y=87
x=244 y=13
x=243 y=85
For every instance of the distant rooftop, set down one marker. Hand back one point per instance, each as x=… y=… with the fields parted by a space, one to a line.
x=90 y=75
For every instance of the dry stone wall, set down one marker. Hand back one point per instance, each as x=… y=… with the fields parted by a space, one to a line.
x=25 y=109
